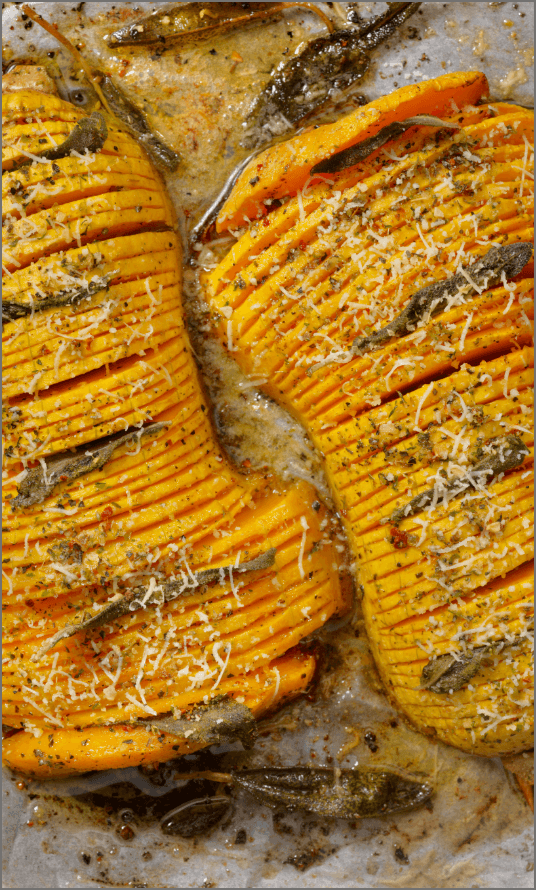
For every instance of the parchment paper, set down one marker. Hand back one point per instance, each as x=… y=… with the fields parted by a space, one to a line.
x=478 y=831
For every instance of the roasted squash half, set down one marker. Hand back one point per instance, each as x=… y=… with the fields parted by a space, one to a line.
x=355 y=288
x=118 y=501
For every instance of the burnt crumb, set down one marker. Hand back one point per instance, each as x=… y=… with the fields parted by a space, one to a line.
x=241 y=837
x=400 y=856
x=413 y=33
x=280 y=825
x=86 y=858
x=370 y=741
x=312 y=856
x=146 y=856
x=316 y=506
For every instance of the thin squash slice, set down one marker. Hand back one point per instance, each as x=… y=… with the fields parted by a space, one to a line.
x=143 y=576
x=356 y=293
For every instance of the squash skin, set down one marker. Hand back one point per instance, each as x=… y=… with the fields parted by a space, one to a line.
x=327 y=265
x=75 y=373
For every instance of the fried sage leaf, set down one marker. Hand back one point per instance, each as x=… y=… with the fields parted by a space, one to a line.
x=356 y=153
x=221 y=720
x=163 y=157
x=326 y=65
x=193 y=21
x=447 y=672
x=12 y=309
x=89 y=134
x=507 y=453
x=195 y=816
x=140 y=597
x=41 y=481
x=210 y=576
x=508 y=260
x=346 y=794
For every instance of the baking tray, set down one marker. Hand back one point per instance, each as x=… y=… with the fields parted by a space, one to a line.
x=478 y=833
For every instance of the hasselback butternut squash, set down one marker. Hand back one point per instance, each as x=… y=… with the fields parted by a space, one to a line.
x=374 y=299
x=119 y=505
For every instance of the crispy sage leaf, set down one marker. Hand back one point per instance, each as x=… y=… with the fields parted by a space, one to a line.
x=89 y=134
x=12 y=309
x=356 y=153
x=326 y=65
x=508 y=452
x=140 y=597
x=195 y=816
x=188 y=21
x=447 y=672
x=163 y=157
x=509 y=259
x=221 y=720
x=346 y=794
x=41 y=481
